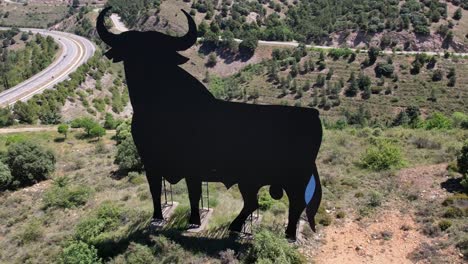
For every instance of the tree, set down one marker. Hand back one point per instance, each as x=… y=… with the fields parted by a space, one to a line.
x=353 y=89
x=462 y=165
x=29 y=163
x=97 y=131
x=212 y=60
x=110 y=122
x=63 y=129
x=76 y=3
x=249 y=45
x=5 y=176
x=373 y=53
x=437 y=75
x=127 y=156
x=458 y=14
x=364 y=81
x=6 y=117
x=24 y=36
x=25 y=112
x=87 y=123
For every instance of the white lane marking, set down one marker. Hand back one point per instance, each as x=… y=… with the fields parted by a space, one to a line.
x=70 y=69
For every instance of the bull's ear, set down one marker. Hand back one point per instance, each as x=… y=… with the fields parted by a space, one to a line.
x=113 y=55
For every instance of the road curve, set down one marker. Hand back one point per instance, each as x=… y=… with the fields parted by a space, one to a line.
x=75 y=51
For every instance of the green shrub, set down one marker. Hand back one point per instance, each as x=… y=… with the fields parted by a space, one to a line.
x=438 y=121
x=340 y=215
x=93 y=230
x=139 y=254
x=453 y=212
x=265 y=201
x=127 y=156
x=462 y=165
x=383 y=155
x=5 y=176
x=29 y=163
x=66 y=196
x=375 y=199
x=323 y=217
x=270 y=248
x=78 y=252
x=462 y=160
x=445 y=224
x=31 y=232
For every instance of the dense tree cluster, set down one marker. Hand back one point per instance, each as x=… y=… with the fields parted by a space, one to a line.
x=25 y=163
x=19 y=65
x=131 y=11
x=313 y=21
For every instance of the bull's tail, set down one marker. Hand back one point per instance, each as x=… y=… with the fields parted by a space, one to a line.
x=313 y=197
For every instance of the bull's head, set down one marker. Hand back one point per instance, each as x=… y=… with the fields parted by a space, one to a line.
x=143 y=46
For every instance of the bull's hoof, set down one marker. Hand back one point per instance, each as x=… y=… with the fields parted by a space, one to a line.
x=194 y=221
x=156 y=224
x=291 y=237
x=193 y=226
x=235 y=227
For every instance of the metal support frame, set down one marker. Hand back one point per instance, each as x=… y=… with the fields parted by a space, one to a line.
x=205 y=196
x=167 y=191
x=249 y=222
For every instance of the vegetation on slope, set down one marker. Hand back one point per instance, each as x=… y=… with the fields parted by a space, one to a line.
x=19 y=65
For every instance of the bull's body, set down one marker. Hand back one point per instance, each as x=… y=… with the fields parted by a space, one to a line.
x=182 y=131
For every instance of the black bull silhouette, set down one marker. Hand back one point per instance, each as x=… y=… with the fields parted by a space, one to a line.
x=182 y=131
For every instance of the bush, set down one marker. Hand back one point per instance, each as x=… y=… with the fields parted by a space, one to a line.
x=265 y=201
x=270 y=248
x=93 y=230
x=78 y=252
x=63 y=129
x=139 y=254
x=97 y=131
x=248 y=45
x=438 y=121
x=375 y=199
x=5 y=176
x=66 y=197
x=31 y=232
x=462 y=160
x=29 y=163
x=127 y=156
x=444 y=225
x=382 y=156
x=453 y=212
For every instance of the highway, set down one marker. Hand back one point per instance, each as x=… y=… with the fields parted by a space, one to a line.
x=74 y=51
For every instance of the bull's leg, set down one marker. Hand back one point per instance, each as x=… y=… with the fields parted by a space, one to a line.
x=154 y=181
x=296 y=207
x=249 y=195
x=194 y=189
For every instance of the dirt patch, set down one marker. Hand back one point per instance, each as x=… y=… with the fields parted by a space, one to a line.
x=425 y=180
x=392 y=237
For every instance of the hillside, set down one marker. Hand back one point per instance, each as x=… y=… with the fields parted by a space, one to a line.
x=406 y=25
x=23 y=54
x=367 y=215
x=393 y=164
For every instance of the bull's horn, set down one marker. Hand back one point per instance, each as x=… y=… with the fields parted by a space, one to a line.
x=190 y=38
x=106 y=36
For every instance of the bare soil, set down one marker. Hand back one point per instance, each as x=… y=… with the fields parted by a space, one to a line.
x=391 y=235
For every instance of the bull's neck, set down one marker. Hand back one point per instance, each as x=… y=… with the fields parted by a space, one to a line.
x=166 y=88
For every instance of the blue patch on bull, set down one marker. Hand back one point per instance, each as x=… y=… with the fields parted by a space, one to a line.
x=310 y=190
